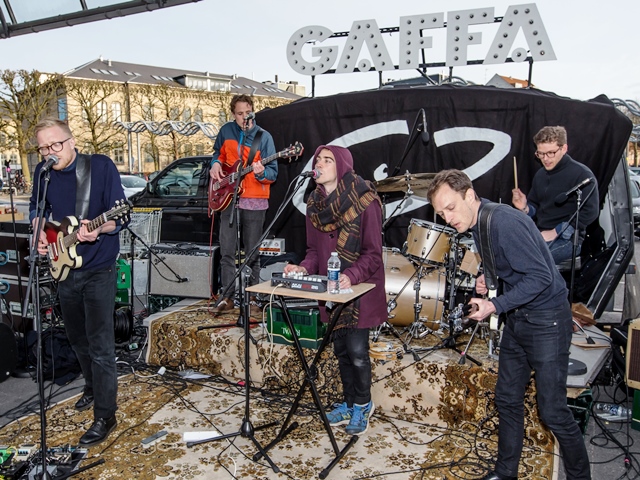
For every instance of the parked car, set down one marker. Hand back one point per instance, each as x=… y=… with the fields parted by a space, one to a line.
x=180 y=190
x=132 y=184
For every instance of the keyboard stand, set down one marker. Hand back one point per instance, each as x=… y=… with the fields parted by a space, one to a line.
x=310 y=370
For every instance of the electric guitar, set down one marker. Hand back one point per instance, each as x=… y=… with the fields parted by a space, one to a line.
x=221 y=192
x=63 y=238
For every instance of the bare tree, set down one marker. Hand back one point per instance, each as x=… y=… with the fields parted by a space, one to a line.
x=96 y=133
x=26 y=97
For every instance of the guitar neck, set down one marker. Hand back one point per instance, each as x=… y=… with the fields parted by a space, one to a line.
x=263 y=161
x=72 y=238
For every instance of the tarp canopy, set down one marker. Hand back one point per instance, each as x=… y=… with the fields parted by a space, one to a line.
x=476 y=129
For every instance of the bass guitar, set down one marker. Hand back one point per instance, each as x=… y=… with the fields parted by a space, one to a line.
x=221 y=192
x=63 y=238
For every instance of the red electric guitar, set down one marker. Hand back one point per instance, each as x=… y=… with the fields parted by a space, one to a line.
x=63 y=238
x=221 y=193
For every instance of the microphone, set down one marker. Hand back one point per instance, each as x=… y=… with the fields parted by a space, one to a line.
x=51 y=161
x=311 y=174
x=562 y=197
x=423 y=127
x=249 y=117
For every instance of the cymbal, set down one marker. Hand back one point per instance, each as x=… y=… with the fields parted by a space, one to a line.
x=419 y=182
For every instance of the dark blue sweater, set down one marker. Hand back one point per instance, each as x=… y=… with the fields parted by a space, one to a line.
x=61 y=202
x=523 y=263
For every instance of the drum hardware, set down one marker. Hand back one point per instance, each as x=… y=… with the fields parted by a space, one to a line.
x=456 y=315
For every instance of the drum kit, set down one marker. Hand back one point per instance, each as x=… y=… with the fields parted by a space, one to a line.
x=428 y=280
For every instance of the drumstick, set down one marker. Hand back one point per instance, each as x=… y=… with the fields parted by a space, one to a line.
x=515 y=172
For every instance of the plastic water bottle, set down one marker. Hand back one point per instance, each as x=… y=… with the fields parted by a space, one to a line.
x=333 y=273
x=612 y=409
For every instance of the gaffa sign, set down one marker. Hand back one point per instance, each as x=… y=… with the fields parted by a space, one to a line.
x=414 y=38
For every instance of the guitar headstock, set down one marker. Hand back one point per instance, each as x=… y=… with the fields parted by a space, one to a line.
x=120 y=210
x=294 y=150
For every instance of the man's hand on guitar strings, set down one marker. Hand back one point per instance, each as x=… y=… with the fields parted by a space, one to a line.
x=479 y=308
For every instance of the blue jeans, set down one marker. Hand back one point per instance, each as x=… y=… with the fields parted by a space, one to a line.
x=562 y=249
x=352 y=352
x=251 y=223
x=539 y=341
x=87 y=300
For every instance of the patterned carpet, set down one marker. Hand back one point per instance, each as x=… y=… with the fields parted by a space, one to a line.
x=434 y=418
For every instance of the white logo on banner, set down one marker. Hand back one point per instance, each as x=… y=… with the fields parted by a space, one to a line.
x=501 y=146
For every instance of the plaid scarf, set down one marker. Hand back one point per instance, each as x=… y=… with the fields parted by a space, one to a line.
x=341 y=210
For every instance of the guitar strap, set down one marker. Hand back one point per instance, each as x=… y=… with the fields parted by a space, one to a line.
x=486 y=252
x=254 y=147
x=83 y=185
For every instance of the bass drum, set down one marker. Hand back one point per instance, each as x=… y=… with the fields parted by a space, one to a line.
x=399 y=278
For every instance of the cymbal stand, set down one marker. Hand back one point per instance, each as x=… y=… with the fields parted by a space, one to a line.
x=407 y=194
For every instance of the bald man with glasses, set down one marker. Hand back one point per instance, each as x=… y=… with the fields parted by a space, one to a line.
x=551 y=210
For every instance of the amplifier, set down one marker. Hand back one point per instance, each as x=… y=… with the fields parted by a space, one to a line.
x=10 y=301
x=633 y=354
x=272 y=247
x=14 y=262
x=196 y=266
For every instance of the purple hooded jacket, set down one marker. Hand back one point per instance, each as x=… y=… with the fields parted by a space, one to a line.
x=369 y=267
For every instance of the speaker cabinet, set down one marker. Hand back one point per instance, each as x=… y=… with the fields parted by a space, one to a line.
x=633 y=355
x=196 y=266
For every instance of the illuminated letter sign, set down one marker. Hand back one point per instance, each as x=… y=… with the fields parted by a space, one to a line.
x=460 y=36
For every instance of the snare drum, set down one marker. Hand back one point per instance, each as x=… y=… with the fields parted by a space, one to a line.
x=399 y=271
x=428 y=241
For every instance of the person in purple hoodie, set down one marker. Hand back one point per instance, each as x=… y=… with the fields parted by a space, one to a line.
x=344 y=215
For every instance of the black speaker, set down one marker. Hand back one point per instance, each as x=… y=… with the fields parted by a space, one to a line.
x=196 y=266
x=8 y=356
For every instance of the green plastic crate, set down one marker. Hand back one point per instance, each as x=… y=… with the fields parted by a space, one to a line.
x=306 y=322
x=122 y=296
x=124 y=274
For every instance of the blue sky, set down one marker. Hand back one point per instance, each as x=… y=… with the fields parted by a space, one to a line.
x=592 y=42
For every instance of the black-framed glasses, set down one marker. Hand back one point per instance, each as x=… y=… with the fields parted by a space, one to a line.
x=541 y=155
x=54 y=147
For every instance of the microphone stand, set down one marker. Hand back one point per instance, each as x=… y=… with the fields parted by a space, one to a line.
x=576 y=216
x=34 y=273
x=247 y=429
x=412 y=139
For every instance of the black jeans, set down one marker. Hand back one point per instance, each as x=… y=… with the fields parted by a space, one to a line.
x=352 y=351
x=539 y=341
x=251 y=223
x=87 y=299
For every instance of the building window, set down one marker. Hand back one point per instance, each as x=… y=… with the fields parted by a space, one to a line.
x=199 y=149
x=116 y=111
x=186 y=115
x=147 y=112
x=174 y=114
x=62 y=109
x=101 y=111
x=197 y=115
x=3 y=139
x=187 y=149
x=118 y=155
x=222 y=117
x=14 y=158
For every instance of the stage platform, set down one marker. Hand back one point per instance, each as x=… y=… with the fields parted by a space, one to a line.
x=434 y=389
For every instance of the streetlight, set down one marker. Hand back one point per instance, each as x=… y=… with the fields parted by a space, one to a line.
x=127 y=101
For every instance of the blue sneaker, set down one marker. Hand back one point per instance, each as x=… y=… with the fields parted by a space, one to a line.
x=340 y=415
x=359 y=423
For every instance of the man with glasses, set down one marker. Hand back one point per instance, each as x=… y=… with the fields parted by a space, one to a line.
x=85 y=187
x=546 y=204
